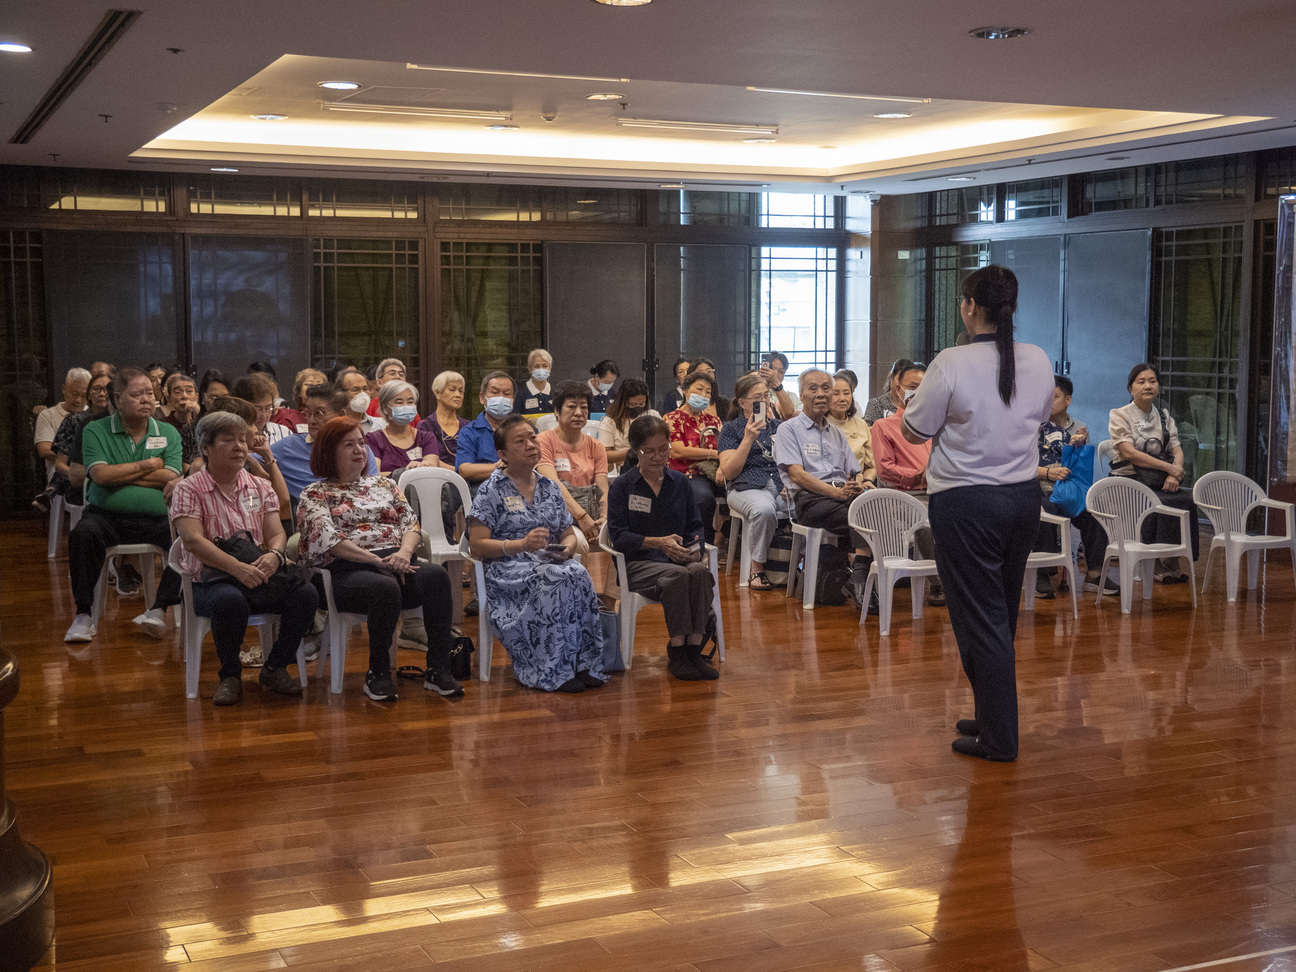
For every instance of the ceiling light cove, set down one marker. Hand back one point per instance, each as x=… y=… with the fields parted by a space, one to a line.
x=893 y=114
x=961 y=179
x=503 y=128
x=725 y=128
x=834 y=94
x=461 y=114
x=605 y=96
x=340 y=85
x=623 y=3
x=9 y=47
x=269 y=117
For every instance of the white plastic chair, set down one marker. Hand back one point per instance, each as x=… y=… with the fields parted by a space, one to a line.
x=55 y=523
x=1228 y=499
x=194 y=628
x=1103 y=459
x=486 y=634
x=888 y=519
x=1121 y=505
x=806 y=540
x=592 y=428
x=146 y=552
x=630 y=604
x=546 y=422
x=1040 y=560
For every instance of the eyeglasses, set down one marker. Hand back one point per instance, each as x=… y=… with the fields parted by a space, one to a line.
x=265 y=409
x=654 y=453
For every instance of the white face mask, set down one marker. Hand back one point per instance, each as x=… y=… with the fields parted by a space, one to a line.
x=360 y=401
x=909 y=393
x=605 y=387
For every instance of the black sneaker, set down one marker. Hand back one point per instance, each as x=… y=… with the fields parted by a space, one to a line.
x=1110 y=588
x=442 y=683
x=380 y=687
x=470 y=609
x=128 y=580
x=1043 y=587
x=41 y=503
x=278 y=680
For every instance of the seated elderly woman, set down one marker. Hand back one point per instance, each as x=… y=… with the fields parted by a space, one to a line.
x=292 y=415
x=1146 y=441
x=444 y=421
x=400 y=444
x=360 y=529
x=747 y=463
x=576 y=461
x=213 y=505
x=653 y=520
x=694 y=438
x=540 y=601
x=843 y=412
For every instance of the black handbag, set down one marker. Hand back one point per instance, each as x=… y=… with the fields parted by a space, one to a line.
x=264 y=597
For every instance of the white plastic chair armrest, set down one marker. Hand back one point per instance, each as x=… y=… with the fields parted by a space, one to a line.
x=1052 y=518
x=1217 y=509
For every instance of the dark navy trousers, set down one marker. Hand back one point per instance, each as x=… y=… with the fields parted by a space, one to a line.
x=983 y=536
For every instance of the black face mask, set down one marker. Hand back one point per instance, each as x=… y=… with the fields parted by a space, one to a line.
x=636 y=412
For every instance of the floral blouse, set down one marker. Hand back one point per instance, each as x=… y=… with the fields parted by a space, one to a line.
x=370 y=512
x=695 y=431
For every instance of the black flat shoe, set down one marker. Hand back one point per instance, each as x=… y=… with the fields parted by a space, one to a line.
x=572 y=686
x=968 y=727
x=588 y=680
x=971 y=746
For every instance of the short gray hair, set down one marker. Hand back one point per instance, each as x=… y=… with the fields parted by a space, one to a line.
x=215 y=424
x=445 y=378
x=382 y=366
x=536 y=352
x=801 y=379
x=77 y=374
x=391 y=389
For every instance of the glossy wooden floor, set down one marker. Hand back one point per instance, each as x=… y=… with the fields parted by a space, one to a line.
x=805 y=812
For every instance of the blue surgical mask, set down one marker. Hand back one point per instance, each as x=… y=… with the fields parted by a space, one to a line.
x=404 y=414
x=698 y=402
x=498 y=406
x=604 y=388
x=909 y=393
x=541 y=375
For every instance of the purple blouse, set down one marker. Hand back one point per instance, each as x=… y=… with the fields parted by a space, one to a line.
x=391 y=458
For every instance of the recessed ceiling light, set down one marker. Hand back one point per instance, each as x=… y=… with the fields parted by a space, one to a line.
x=671 y=185
x=893 y=114
x=835 y=94
x=340 y=85
x=585 y=202
x=269 y=117
x=960 y=179
x=605 y=96
x=503 y=128
x=999 y=33
x=623 y=3
x=760 y=141
x=223 y=168
x=13 y=48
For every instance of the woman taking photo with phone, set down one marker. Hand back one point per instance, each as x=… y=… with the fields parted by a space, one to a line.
x=747 y=464
x=982 y=406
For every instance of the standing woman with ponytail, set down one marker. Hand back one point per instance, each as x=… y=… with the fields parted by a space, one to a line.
x=982 y=406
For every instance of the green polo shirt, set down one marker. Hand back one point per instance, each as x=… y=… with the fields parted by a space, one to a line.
x=105 y=441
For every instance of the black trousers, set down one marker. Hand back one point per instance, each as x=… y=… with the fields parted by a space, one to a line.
x=1159 y=528
x=228 y=606
x=826 y=513
x=983 y=536
x=684 y=590
x=704 y=495
x=98 y=530
x=380 y=596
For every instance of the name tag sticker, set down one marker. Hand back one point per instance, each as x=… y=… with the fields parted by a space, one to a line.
x=252 y=503
x=562 y=465
x=533 y=403
x=514 y=504
x=155 y=442
x=303 y=427
x=414 y=454
x=811 y=448
x=640 y=504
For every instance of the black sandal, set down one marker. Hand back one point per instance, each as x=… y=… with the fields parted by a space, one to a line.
x=759 y=582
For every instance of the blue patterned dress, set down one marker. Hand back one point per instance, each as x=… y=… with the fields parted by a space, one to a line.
x=546 y=614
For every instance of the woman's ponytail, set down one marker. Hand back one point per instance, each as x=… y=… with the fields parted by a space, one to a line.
x=994 y=289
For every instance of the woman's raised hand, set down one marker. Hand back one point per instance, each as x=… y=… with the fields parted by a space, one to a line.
x=535 y=540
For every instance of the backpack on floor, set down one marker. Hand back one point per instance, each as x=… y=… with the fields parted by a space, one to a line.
x=834 y=574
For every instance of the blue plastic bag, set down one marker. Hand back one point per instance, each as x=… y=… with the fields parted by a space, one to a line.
x=1070 y=493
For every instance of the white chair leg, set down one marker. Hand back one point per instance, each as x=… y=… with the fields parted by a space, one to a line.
x=1232 y=570
x=917 y=596
x=1074 y=585
x=745 y=559
x=1192 y=576
x=1149 y=578
x=55 y=524
x=810 y=575
x=193 y=657
x=1126 y=584
x=1210 y=560
x=886 y=593
x=1028 y=587
x=795 y=577
x=735 y=528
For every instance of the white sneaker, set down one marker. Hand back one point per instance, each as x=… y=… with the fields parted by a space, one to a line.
x=152 y=623
x=83 y=629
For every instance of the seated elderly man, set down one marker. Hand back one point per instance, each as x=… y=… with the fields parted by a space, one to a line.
x=477 y=457
x=293 y=452
x=47 y=425
x=820 y=471
x=129 y=458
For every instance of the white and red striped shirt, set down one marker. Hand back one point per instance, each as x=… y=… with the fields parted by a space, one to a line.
x=222 y=514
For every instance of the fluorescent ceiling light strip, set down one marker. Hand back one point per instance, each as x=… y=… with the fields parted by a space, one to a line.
x=514 y=74
x=464 y=113
x=833 y=94
x=688 y=126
